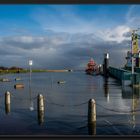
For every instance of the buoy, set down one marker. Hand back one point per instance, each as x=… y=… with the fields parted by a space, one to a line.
x=5 y=80
x=61 y=82
x=17 y=79
x=19 y=86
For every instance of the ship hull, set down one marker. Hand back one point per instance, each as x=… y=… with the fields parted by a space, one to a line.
x=91 y=72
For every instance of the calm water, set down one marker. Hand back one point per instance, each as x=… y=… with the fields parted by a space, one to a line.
x=66 y=105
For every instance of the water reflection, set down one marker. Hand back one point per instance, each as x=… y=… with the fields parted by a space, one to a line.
x=132 y=93
x=41 y=115
x=106 y=88
x=135 y=101
x=30 y=94
x=92 y=128
x=7 y=108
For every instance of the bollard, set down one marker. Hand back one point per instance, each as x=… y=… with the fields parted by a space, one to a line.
x=40 y=102
x=41 y=109
x=7 y=102
x=106 y=64
x=91 y=111
x=7 y=97
x=92 y=117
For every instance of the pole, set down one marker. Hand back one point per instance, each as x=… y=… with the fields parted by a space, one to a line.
x=132 y=67
x=30 y=90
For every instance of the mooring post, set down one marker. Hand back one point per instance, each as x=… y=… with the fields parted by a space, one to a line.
x=91 y=111
x=100 y=68
x=92 y=117
x=106 y=64
x=41 y=108
x=7 y=102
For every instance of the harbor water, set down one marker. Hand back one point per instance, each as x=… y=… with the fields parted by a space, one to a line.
x=66 y=105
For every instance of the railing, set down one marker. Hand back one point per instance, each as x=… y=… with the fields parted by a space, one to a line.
x=125 y=76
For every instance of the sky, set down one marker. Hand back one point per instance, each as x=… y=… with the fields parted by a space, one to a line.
x=65 y=36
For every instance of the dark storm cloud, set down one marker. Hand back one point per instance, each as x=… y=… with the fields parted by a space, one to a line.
x=23 y=42
x=117 y=52
x=60 y=50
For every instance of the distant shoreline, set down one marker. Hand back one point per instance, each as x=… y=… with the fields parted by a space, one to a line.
x=33 y=70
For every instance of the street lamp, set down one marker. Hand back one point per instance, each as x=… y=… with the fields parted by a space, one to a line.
x=30 y=92
x=30 y=64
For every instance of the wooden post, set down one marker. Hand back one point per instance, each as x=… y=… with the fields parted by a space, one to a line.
x=100 y=68
x=41 y=109
x=92 y=117
x=7 y=102
x=92 y=111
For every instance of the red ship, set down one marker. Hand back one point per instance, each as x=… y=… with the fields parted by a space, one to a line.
x=92 y=67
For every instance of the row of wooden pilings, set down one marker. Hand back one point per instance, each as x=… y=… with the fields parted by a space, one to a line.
x=41 y=111
x=40 y=106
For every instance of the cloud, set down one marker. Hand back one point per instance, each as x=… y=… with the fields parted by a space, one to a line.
x=117 y=34
x=132 y=17
x=59 y=51
x=62 y=19
x=68 y=41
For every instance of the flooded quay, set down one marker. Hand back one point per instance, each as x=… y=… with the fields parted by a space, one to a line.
x=66 y=105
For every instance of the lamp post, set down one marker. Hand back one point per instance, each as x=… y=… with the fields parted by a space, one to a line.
x=30 y=64
x=30 y=92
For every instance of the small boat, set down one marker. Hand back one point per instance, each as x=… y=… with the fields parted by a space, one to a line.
x=61 y=82
x=92 y=68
